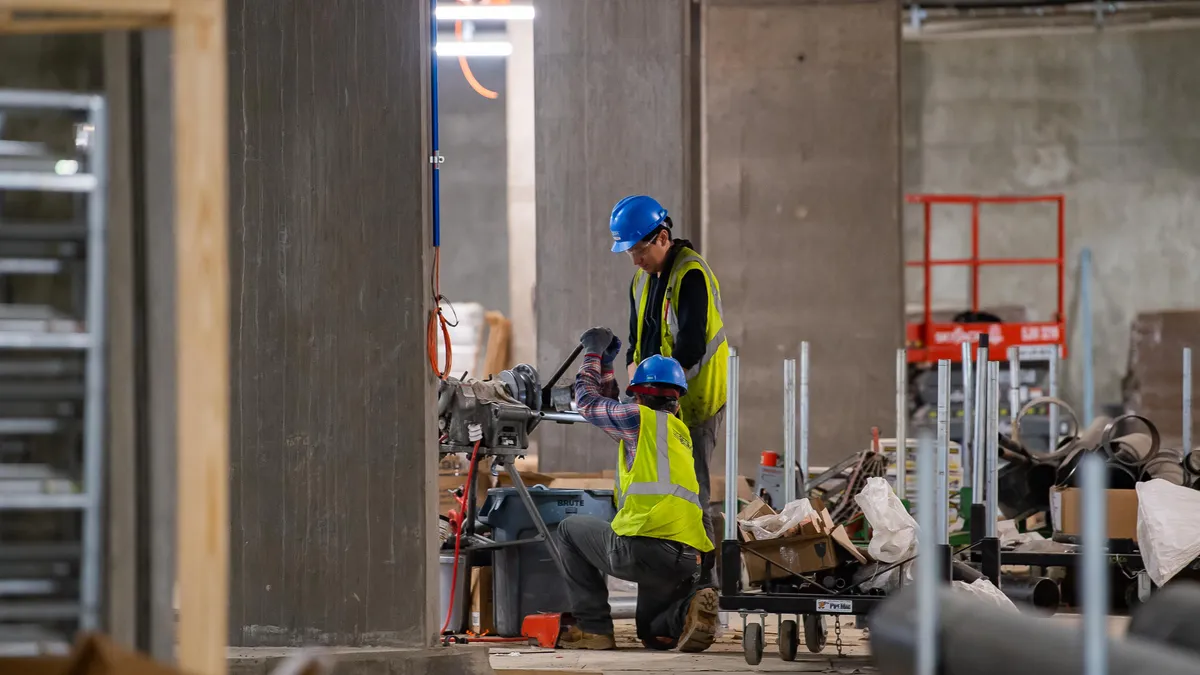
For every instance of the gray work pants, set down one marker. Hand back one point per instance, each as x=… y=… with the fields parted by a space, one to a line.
x=704 y=439
x=665 y=572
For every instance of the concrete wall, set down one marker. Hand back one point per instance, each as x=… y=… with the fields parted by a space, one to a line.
x=474 y=185
x=332 y=422
x=802 y=108
x=609 y=85
x=1109 y=119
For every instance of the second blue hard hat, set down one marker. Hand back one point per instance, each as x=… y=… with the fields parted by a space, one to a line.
x=632 y=219
x=661 y=370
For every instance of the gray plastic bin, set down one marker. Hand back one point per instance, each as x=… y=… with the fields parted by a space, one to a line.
x=524 y=577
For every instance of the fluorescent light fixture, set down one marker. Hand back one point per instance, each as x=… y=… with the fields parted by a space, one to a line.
x=474 y=48
x=459 y=12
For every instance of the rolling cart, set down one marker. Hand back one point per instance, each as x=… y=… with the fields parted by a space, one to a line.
x=809 y=600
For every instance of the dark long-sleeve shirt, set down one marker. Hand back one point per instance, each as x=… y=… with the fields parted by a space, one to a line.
x=596 y=398
x=692 y=314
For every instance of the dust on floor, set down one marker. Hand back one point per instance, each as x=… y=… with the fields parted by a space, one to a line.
x=725 y=656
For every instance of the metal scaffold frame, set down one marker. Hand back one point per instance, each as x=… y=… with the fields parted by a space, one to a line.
x=29 y=334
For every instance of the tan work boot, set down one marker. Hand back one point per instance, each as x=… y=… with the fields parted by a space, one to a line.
x=574 y=638
x=700 y=623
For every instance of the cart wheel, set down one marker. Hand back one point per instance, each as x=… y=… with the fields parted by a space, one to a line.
x=752 y=643
x=814 y=632
x=789 y=640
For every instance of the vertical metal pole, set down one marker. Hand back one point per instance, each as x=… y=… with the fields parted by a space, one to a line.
x=804 y=416
x=992 y=450
x=95 y=384
x=1095 y=572
x=902 y=423
x=928 y=567
x=1187 y=400
x=981 y=406
x=968 y=463
x=1085 y=315
x=731 y=448
x=789 y=430
x=941 y=502
x=1014 y=385
x=1053 y=412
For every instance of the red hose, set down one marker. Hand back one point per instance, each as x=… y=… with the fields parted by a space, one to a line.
x=470 y=485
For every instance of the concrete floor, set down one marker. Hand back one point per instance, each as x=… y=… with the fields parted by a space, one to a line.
x=725 y=656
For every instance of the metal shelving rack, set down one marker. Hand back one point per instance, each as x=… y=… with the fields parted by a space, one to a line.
x=40 y=386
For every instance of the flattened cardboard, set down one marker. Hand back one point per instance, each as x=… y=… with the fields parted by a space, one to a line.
x=483 y=614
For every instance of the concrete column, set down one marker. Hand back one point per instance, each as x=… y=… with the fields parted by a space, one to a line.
x=802 y=129
x=610 y=89
x=332 y=425
x=522 y=199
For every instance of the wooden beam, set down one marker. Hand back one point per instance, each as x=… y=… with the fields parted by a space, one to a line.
x=93 y=7
x=14 y=25
x=202 y=320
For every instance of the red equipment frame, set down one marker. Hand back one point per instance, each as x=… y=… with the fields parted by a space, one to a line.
x=928 y=341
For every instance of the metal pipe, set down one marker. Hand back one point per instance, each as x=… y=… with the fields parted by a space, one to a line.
x=978 y=639
x=1014 y=386
x=968 y=461
x=562 y=417
x=1095 y=573
x=1038 y=592
x=981 y=406
x=1085 y=313
x=1053 y=409
x=991 y=457
x=804 y=413
x=94 y=407
x=789 y=430
x=1187 y=400
x=942 y=500
x=902 y=423
x=928 y=569
x=731 y=448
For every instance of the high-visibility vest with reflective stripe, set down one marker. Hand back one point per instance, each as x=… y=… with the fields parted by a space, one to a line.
x=659 y=496
x=708 y=379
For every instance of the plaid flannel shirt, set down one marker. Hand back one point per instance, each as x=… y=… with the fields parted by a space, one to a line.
x=596 y=399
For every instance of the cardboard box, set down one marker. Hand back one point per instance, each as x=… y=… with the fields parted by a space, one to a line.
x=1066 y=512
x=483 y=615
x=818 y=545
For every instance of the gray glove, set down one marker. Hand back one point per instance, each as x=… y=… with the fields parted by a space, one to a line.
x=596 y=340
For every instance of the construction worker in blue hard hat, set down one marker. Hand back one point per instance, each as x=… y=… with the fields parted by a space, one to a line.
x=675 y=310
x=657 y=538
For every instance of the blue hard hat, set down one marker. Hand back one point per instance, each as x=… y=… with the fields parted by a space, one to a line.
x=632 y=219
x=659 y=369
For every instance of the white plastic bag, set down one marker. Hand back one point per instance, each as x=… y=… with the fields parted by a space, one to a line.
x=1168 y=528
x=894 y=532
x=986 y=591
x=780 y=524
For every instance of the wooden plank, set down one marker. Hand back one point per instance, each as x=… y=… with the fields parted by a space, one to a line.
x=160 y=7
x=14 y=25
x=202 y=316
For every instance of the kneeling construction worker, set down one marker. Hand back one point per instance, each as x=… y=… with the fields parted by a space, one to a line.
x=657 y=537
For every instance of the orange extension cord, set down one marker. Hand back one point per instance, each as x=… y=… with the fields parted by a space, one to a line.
x=462 y=60
x=438 y=320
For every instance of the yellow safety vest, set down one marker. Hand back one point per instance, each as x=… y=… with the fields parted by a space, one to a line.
x=708 y=379
x=659 y=496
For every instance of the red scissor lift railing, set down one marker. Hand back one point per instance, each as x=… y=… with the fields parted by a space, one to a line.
x=929 y=341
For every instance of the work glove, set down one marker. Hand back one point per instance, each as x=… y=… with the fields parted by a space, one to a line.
x=610 y=354
x=597 y=341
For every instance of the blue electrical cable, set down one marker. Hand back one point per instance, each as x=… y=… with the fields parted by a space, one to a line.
x=433 y=111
